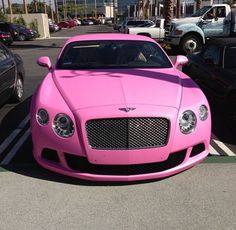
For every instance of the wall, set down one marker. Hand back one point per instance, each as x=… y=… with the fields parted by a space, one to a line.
x=42 y=20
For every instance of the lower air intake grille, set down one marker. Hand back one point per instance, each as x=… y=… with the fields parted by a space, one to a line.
x=127 y=133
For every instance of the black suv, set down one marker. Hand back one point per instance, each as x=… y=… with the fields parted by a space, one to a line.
x=9 y=28
x=24 y=32
x=18 y=32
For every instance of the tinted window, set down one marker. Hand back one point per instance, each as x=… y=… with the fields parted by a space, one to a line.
x=4 y=27
x=4 y=55
x=212 y=54
x=113 y=54
x=230 y=57
x=220 y=12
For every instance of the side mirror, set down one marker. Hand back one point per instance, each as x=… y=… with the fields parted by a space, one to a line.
x=44 y=62
x=180 y=60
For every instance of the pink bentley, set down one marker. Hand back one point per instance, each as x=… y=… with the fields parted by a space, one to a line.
x=114 y=108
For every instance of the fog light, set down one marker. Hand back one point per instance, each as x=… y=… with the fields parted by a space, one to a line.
x=42 y=117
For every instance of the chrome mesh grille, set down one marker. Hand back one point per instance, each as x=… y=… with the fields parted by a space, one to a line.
x=127 y=133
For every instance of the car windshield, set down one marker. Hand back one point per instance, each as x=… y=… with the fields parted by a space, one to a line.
x=230 y=57
x=112 y=54
x=201 y=11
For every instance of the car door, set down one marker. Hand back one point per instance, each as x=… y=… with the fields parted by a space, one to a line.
x=7 y=72
x=210 y=73
x=214 y=23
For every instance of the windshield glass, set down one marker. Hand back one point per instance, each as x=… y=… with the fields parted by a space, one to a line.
x=112 y=54
x=230 y=57
x=201 y=11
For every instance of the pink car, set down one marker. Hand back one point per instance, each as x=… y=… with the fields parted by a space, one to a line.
x=115 y=108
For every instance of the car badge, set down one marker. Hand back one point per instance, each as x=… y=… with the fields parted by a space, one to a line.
x=127 y=109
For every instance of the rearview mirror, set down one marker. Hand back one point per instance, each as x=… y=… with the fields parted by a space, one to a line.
x=180 y=60
x=44 y=62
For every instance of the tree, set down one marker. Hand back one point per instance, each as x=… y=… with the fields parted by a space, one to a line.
x=168 y=10
x=3 y=17
x=198 y=4
x=145 y=8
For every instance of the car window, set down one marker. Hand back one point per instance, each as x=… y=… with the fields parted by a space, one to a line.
x=113 y=54
x=4 y=27
x=212 y=54
x=220 y=12
x=4 y=55
x=230 y=57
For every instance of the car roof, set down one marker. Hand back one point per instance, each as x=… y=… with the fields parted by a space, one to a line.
x=223 y=41
x=108 y=36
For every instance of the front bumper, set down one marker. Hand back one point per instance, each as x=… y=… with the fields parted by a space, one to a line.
x=66 y=164
x=74 y=157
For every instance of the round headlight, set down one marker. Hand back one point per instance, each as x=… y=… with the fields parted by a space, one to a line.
x=63 y=125
x=42 y=117
x=203 y=113
x=187 y=121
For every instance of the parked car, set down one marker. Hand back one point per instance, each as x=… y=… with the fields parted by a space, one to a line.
x=214 y=69
x=132 y=23
x=63 y=24
x=24 y=32
x=157 y=32
x=12 y=75
x=72 y=23
x=89 y=122
x=86 y=22
x=53 y=27
x=6 y=38
x=77 y=21
x=9 y=28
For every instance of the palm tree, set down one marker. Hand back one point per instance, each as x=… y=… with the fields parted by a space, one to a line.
x=168 y=10
x=25 y=7
x=177 y=8
x=56 y=9
x=10 y=9
x=198 y=4
x=145 y=8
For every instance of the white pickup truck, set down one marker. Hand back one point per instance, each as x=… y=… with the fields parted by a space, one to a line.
x=157 y=32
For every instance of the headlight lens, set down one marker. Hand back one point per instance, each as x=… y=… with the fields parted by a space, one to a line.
x=42 y=117
x=63 y=125
x=187 y=121
x=203 y=113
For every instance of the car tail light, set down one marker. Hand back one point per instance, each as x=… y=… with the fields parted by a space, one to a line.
x=4 y=35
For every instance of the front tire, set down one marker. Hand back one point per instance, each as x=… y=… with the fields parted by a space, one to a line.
x=22 y=37
x=18 y=90
x=190 y=44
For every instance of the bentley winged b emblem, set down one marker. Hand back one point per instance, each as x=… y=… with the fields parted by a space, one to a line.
x=127 y=109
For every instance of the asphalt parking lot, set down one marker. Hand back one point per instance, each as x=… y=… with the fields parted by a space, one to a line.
x=202 y=197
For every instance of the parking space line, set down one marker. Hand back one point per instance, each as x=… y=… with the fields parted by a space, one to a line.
x=15 y=148
x=213 y=152
x=222 y=146
x=13 y=135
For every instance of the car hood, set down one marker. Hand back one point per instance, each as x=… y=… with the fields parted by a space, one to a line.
x=186 y=20
x=88 y=88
